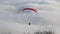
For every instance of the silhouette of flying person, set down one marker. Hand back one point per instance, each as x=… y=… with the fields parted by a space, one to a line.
x=29 y=23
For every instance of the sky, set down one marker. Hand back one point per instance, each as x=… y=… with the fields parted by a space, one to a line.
x=49 y=13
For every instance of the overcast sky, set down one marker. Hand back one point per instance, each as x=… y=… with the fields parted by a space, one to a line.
x=50 y=16
x=13 y=21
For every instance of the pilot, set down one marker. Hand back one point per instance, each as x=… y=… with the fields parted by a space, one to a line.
x=29 y=23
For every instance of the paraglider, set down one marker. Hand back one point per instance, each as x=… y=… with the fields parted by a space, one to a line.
x=32 y=9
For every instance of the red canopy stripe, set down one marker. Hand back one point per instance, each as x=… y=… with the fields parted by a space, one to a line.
x=31 y=9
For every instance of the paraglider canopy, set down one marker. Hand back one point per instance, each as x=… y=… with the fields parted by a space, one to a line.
x=34 y=10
